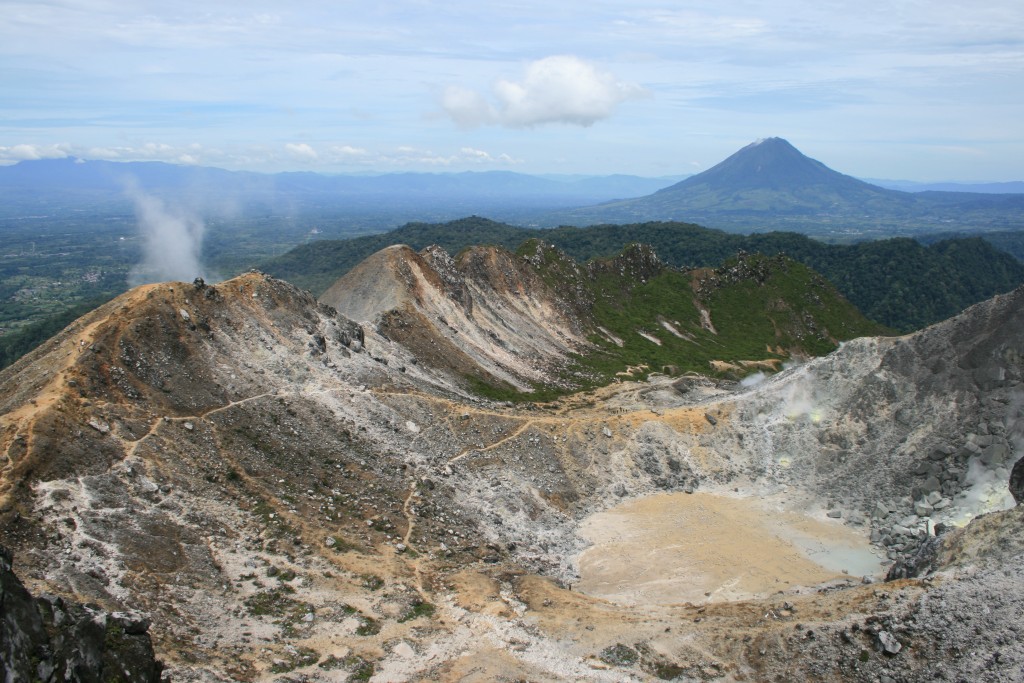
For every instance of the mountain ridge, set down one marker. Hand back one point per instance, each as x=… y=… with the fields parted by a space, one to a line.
x=43 y=178
x=536 y=321
x=928 y=283
x=802 y=194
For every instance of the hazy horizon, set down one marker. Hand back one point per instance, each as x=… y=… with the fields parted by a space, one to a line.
x=926 y=93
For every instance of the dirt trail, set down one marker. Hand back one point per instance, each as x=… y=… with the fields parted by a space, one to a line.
x=471 y=449
x=54 y=387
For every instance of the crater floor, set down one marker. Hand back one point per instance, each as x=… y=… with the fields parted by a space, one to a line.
x=707 y=547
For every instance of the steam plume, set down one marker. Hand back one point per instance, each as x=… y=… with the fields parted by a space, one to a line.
x=171 y=242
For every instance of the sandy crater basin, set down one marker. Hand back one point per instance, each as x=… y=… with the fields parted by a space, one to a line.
x=703 y=547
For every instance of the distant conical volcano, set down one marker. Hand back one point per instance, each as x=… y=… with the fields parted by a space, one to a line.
x=773 y=164
x=765 y=181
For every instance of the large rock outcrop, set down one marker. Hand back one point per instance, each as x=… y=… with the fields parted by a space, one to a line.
x=48 y=640
x=485 y=313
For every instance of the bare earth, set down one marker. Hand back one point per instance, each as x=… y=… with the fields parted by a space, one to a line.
x=674 y=548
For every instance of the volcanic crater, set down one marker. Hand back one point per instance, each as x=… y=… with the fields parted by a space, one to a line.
x=291 y=494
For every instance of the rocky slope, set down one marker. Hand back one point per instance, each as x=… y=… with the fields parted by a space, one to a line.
x=288 y=495
x=485 y=314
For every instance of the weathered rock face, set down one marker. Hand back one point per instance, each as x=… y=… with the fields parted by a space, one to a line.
x=280 y=490
x=899 y=432
x=1017 y=481
x=485 y=314
x=46 y=639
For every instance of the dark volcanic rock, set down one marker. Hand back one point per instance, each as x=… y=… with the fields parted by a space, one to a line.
x=1017 y=481
x=47 y=639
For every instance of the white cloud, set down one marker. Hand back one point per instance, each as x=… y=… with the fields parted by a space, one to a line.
x=111 y=153
x=268 y=158
x=466 y=107
x=156 y=149
x=475 y=154
x=348 y=151
x=414 y=156
x=557 y=89
x=301 y=150
x=23 y=152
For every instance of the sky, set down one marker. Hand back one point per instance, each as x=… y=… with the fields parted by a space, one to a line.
x=896 y=89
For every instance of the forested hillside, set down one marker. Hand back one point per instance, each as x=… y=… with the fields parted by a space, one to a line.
x=1010 y=241
x=898 y=282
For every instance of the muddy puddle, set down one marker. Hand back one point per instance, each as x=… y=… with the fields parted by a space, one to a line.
x=703 y=547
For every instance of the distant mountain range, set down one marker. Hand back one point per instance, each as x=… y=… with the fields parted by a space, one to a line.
x=767 y=185
x=1015 y=187
x=770 y=185
x=402 y=196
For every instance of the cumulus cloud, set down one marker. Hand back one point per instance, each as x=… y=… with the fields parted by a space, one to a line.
x=479 y=156
x=466 y=107
x=16 y=153
x=301 y=150
x=558 y=89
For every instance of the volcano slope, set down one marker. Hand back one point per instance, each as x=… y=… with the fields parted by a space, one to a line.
x=289 y=495
x=538 y=321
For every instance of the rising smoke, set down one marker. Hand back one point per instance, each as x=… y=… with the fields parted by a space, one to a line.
x=171 y=241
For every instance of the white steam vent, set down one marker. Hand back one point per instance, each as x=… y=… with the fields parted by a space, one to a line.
x=171 y=242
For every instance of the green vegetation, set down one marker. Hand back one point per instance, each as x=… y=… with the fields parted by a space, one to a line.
x=760 y=308
x=16 y=344
x=900 y=283
x=1010 y=241
x=290 y=614
x=343 y=546
x=752 y=313
x=275 y=603
x=619 y=655
x=648 y=660
x=368 y=626
x=371 y=581
x=359 y=669
x=362 y=670
x=416 y=610
x=506 y=392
